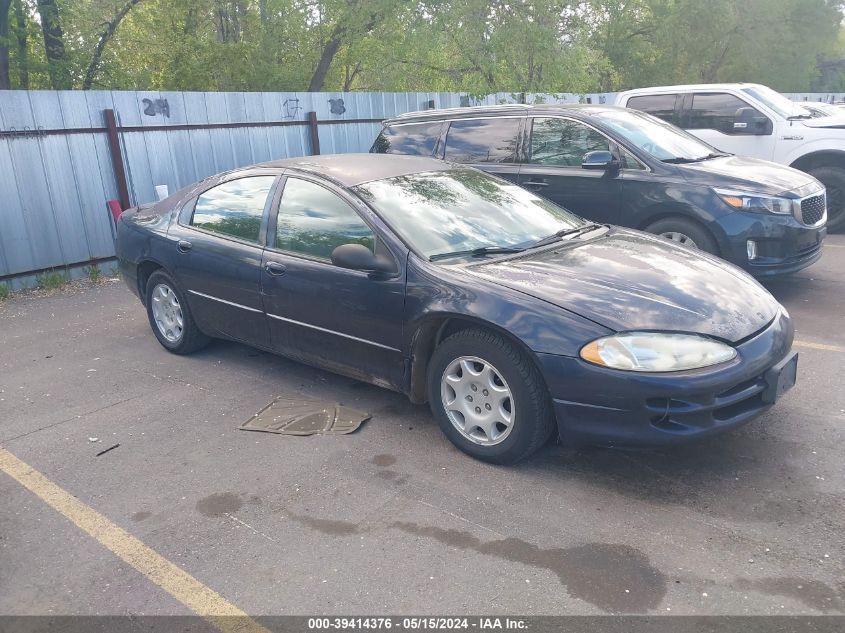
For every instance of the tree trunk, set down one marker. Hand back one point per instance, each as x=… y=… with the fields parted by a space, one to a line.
x=105 y=36
x=54 y=45
x=23 y=45
x=326 y=57
x=5 y=81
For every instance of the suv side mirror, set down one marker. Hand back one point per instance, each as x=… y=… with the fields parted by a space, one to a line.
x=601 y=159
x=747 y=120
x=359 y=257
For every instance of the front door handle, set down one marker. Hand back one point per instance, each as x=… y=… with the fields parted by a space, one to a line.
x=536 y=183
x=275 y=268
x=184 y=246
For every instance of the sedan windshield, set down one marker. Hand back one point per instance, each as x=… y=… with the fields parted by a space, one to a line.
x=465 y=212
x=655 y=136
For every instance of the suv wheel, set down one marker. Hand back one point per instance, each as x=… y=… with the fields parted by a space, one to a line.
x=833 y=179
x=684 y=232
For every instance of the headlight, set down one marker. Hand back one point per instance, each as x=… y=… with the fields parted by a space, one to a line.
x=654 y=351
x=752 y=202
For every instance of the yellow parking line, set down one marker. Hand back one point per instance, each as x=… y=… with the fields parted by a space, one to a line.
x=203 y=600
x=809 y=345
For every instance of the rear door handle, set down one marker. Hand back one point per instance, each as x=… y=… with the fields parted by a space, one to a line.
x=184 y=246
x=275 y=268
x=536 y=183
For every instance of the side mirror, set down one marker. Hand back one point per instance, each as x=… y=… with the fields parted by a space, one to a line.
x=601 y=159
x=747 y=120
x=359 y=257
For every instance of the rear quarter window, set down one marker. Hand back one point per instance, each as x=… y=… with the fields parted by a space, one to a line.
x=416 y=139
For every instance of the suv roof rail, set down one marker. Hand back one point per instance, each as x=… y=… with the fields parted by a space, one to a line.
x=417 y=113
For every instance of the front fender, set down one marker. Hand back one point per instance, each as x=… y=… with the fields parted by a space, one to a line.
x=438 y=293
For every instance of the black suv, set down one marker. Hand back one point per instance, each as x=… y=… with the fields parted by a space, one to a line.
x=620 y=166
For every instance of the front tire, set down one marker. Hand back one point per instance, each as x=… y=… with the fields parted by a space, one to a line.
x=170 y=316
x=686 y=233
x=489 y=397
x=833 y=179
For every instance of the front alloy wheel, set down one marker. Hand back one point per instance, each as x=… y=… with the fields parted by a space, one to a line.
x=477 y=400
x=489 y=397
x=679 y=238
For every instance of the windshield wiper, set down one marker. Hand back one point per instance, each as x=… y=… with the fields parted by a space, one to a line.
x=551 y=239
x=799 y=117
x=477 y=252
x=676 y=160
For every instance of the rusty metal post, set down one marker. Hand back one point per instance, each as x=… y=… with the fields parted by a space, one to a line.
x=117 y=158
x=315 y=136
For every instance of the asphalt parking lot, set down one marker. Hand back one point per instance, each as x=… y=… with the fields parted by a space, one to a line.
x=393 y=519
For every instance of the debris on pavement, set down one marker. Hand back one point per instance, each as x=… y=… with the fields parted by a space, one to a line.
x=110 y=448
x=305 y=417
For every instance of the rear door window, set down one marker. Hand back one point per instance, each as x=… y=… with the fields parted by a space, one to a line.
x=234 y=208
x=483 y=140
x=716 y=111
x=661 y=106
x=416 y=139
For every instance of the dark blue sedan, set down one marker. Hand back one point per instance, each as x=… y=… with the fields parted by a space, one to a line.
x=512 y=317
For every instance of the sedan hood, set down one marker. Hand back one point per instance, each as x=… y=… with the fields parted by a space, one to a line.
x=747 y=174
x=627 y=280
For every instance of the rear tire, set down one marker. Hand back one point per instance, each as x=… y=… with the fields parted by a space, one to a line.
x=489 y=397
x=833 y=178
x=170 y=316
x=675 y=229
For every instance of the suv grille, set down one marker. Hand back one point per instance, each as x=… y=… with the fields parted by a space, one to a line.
x=812 y=210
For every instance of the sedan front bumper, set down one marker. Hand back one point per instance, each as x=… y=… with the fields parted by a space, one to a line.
x=597 y=405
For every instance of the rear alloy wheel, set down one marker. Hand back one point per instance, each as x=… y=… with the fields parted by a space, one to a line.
x=833 y=179
x=170 y=317
x=489 y=397
x=684 y=232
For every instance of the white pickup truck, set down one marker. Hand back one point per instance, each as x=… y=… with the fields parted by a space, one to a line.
x=753 y=120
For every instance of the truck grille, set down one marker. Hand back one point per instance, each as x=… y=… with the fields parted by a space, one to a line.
x=812 y=210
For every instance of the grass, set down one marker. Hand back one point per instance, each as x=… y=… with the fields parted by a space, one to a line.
x=50 y=279
x=4 y=291
x=94 y=273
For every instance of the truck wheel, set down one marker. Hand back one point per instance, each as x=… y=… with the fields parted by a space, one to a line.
x=684 y=232
x=833 y=178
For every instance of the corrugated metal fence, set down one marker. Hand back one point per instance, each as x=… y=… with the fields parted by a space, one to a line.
x=58 y=167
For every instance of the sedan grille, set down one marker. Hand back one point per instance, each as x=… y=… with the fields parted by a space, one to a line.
x=812 y=210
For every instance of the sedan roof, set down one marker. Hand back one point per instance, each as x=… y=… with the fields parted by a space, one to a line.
x=354 y=169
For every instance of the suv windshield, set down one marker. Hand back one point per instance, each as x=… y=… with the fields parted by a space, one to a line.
x=777 y=102
x=462 y=210
x=655 y=136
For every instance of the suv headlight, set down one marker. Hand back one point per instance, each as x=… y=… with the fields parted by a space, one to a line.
x=744 y=201
x=656 y=351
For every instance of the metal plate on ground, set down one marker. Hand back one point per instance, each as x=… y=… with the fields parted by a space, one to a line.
x=305 y=417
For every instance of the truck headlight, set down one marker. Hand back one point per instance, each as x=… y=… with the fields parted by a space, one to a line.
x=743 y=201
x=656 y=351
